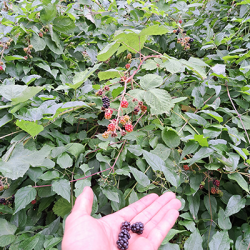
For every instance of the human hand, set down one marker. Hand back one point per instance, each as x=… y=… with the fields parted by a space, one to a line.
x=85 y=232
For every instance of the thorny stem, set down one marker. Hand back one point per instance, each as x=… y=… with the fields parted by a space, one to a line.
x=237 y=113
x=85 y=177
x=140 y=117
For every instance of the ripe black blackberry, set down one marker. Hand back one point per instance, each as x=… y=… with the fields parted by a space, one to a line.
x=126 y=226
x=191 y=40
x=123 y=238
x=106 y=102
x=2 y=201
x=137 y=228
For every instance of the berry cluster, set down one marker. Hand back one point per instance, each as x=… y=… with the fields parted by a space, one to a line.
x=185 y=41
x=28 y=51
x=106 y=102
x=7 y=201
x=124 y=235
x=137 y=228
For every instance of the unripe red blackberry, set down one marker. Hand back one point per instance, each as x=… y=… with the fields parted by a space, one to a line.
x=107 y=115
x=1 y=188
x=186 y=167
x=99 y=92
x=129 y=127
x=127 y=66
x=140 y=103
x=40 y=34
x=180 y=21
x=213 y=190
x=33 y=202
x=143 y=108
x=124 y=104
x=216 y=183
x=111 y=127
x=201 y=186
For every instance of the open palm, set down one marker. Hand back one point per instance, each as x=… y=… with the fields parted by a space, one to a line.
x=84 y=232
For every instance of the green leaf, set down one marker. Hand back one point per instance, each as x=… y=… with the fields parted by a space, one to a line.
x=48 y=13
x=159 y=100
x=7 y=228
x=29 y=79
x=6 y=240
x=173 y=66
x=194 y=204
x=194 y=242
x=81 y=77
x=37 y=42
x=117 y=91
x=170 y=174
x=30 y=127
x=240 y=180
x=49 y=175
x=48 y=244
x=246 y=121
x=219 y=241
x=15 y=57
x=111 y=193
x=23 y=197
x=202 y=153
x=154 y=30
x=235 y=204
x=224 y=221
x=195 y=181
x=213 y=114
x=57 y=49
x=21 y=159
x=28 y=93
x=5 y=119
x=170 y=137
x=108 y=51
x=75 y=149
x=102 y=158
x=162 y=151
x=65 y=161
x=11 y=91
x=154 y=161
x=171 y=234
x=64 y=24
x=110 y=74
x=62 y=188
x=202 y=141
x=62 y=207
x=189 y=148
x=150 y=81
x=140 y=177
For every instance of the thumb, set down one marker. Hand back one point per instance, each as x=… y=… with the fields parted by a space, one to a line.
x=84 y=202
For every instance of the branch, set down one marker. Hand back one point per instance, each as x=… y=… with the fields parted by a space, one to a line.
x=237 y=114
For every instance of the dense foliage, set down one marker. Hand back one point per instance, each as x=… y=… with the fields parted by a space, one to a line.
x=128 y=97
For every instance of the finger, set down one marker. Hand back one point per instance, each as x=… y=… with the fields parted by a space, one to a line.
x=147 y=214
x=173 y=204
x=132 y=210
x=84 y=201
x=158 y=234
